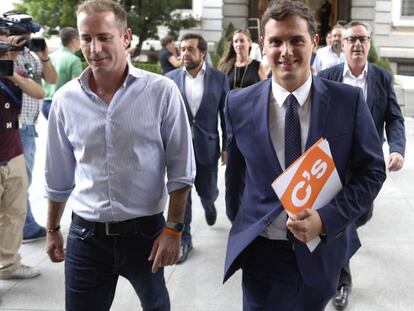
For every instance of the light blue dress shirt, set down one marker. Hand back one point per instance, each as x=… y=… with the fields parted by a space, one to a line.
x=113 y=159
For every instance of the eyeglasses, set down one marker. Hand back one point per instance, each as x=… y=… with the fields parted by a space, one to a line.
x=362 y=39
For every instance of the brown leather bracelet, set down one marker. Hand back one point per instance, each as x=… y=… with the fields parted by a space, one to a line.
x=53 y=229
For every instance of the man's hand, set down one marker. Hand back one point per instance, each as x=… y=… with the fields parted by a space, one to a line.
x=165 y=251
x=223 y=157
x=54 y=246
x=43 y=54
x=306 y=225
x=395 y=162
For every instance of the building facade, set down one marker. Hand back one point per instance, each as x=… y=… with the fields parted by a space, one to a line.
x=392 y=22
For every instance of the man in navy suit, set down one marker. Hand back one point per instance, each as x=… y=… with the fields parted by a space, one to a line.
x=204 y=90
x=279 y=271
x=378 y=90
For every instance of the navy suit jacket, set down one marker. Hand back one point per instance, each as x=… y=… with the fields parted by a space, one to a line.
x=204 y=125
x=382 y=104
x=339 y=114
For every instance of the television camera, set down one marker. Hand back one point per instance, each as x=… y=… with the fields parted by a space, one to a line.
x=6 y=66
x=20 y=24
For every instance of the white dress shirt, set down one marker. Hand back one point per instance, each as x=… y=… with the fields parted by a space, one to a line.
x=360 y=81
x=194 y=89
x=113 y=159
x=326 y=57
x=277 y=110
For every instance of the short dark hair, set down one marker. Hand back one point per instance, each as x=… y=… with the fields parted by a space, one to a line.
x=358 y=23
x=201 y=45
x=98 y=6
x=67 y=34
x=166 y=40
x=279 y=10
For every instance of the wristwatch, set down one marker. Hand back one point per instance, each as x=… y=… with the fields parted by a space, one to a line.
x=176 y=226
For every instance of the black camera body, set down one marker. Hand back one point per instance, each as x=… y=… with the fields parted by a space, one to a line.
x=18 y=24
x=6 y=68
x=34 y=44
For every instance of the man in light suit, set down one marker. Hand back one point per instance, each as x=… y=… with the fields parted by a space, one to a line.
x=377 y=86
x=279 y=271
x=204 y=91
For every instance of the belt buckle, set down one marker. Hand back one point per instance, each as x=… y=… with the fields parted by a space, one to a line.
x=108 y=231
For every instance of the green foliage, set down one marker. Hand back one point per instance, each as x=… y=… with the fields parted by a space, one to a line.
x=51 y=14
x=152 y=67
x=228 y=33
x=374 y=58
x=215 y=58
x=143 y=15
x=176 y=23
x=373 y=55
x=221 y=45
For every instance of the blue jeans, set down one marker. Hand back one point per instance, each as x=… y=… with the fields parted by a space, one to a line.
x=93 y=264
x=28 y=136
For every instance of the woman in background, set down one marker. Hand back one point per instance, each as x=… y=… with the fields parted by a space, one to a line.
x=237 y=64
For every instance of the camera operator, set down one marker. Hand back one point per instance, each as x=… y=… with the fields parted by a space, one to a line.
x=13 y=176
x=34 y=65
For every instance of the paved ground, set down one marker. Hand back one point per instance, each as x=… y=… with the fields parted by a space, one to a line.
x=383 y=268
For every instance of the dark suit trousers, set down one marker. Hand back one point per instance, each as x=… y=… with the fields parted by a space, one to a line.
x=272 y=281
x=346 y=278
x=206 y=186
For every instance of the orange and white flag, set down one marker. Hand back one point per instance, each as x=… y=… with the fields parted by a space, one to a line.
x=309 y=182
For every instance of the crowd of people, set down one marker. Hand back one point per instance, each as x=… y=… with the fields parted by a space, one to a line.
x=147 y=139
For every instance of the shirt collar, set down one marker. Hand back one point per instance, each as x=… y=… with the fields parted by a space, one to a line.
x=132 y=74
x=301 y=93
x=347 y=71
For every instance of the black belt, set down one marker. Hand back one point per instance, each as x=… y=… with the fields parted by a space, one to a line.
x=113 y=228
x=278 y=243
x=3 y=163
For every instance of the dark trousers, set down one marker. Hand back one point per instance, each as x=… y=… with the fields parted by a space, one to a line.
x=345 y=278
x=94 y=262
x=272 y=281
x=205 y=183
x=45 y=108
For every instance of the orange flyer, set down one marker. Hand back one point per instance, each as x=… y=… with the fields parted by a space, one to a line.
x=309 y=182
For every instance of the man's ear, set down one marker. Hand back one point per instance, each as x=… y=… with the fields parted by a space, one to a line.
x=127 y=36
x=315 y=43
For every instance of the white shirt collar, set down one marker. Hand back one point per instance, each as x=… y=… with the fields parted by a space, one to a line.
x=132 y=73
x=301 y=93
x=347 y=71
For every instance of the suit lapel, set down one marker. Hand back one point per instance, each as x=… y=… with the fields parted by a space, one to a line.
x=319 y=111
x=371 y=81
x=181 y=86
x=204 y=102
x=261 y=116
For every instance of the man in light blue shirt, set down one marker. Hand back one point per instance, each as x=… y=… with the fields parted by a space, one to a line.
x=113 y=135
x=330 y=55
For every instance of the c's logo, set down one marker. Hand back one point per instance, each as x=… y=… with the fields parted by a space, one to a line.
x=308 y=181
